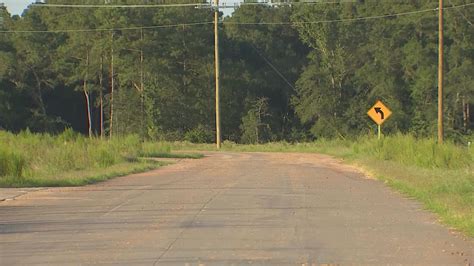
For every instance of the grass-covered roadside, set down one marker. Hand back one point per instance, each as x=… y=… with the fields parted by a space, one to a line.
x=69 y=159
x=82 y=177
x=439 y=176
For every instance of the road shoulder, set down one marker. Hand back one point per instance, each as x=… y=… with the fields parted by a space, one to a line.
x=7 y=194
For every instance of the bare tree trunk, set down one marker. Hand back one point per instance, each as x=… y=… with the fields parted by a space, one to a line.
x=86 y=94
x=453 y=116
x=465 y=114
x=142 y=86
x=112 y=85
x=40 y=94
x=468 y=116
x=101 y=95
x=183 y=79
x=259 y=121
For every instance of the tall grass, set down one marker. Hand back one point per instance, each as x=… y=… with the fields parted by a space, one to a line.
x=408 y=150
x=43 y=156
x=404 y=149
x=11 y=163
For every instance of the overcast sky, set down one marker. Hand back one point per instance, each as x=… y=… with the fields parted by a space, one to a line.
x=16 y=7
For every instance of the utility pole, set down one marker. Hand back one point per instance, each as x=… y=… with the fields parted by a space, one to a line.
x=440 y=75
x=216 y=46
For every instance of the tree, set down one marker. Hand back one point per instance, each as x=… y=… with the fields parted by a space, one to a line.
x=33 y=72
x=254 y=127
x=325 y=88
x=314 y=78
x=261 y=61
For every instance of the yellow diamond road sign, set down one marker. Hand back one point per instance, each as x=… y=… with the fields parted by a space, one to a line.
x=379 y=113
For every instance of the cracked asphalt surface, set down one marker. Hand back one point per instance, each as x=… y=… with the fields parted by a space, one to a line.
x=229 y=209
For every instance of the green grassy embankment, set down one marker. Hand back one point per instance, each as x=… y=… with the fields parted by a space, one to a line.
x=439 y=176
x=36 y=160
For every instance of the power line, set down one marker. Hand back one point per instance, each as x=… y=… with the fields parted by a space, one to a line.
x=273 y=67
x=461 y=13
x=238 y=23
x=186 y=4
x=120 y=6
x=346 y=20
x=110 y=29
x=271 y=4
x=293 y=3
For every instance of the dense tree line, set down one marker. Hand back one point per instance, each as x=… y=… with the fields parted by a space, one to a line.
x=284 y=76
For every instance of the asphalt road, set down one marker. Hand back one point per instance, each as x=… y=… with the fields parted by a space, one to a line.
x=229 y=209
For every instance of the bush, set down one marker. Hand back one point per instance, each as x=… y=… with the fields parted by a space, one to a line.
x=199 y=134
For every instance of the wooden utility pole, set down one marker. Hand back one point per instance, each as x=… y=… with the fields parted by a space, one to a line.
x=440 y=75
x=216 y=44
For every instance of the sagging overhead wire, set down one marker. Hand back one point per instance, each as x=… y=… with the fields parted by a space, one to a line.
x=111 y=29
x=239 y=23
x=461 y=13
x=223 y=5
x=273 y=67
x=120 y=6
x=348 y=19
x=288 y=3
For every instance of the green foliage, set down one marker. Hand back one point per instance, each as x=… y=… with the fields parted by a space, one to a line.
x=29 y=156
x=261 y=62
x=105 y=158
x=410 y=151
x=254 y=127
x=81 y=178
x=11 y=164
x=319 y=78
x=151 y=149
x=355 y=63
x=249 y=127
x=68 y=135
x=199 y=134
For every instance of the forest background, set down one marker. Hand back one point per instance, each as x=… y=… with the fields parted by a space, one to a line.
x=289 y=73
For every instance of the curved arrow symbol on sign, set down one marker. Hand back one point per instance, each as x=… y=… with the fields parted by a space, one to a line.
x=378 y=110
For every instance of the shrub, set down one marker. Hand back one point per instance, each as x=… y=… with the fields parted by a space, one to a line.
x=199 y=134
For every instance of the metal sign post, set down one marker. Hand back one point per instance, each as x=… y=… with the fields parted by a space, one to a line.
x=379 y=113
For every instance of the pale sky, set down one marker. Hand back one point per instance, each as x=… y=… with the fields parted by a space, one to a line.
x=16 y=7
